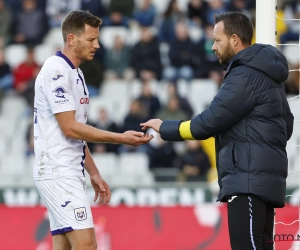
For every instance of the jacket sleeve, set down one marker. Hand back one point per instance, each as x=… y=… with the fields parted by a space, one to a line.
x=234 y=100
x=169 y=130
x=289 y=120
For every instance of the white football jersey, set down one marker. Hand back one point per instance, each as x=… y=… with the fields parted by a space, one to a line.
x=59 y=87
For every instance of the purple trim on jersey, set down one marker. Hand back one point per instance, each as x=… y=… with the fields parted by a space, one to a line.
x=61 y=231
x=83 y=157
x=60 y=54
x=35 y=115
x=81 y=82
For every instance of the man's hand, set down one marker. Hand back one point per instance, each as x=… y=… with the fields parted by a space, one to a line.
x=136 y=138
x=102 y=190
x=153 y=123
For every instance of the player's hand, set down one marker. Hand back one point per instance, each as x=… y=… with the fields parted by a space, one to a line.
x=102 y=190
x=135 y=138
x=153 y=123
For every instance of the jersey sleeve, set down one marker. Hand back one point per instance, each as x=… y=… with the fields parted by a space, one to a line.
x=59 y=92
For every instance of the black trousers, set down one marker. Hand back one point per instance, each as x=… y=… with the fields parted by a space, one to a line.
x=250 y=223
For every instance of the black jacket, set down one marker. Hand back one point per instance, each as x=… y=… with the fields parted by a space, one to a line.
x=251 y=120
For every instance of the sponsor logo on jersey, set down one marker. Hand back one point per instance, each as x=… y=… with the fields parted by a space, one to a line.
x=66 y=203
x=59 y=91
x=80 y=213
x=56 y=78
x=84 y=100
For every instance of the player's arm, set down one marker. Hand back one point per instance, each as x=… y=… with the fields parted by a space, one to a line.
x=102 y=190
x=89 y=164
x=79 y=131
x=233 y=101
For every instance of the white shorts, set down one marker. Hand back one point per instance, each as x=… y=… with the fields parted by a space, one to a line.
x=67 y=203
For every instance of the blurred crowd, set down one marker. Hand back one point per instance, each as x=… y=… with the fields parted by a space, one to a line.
x=188 y=56
x=28 y=21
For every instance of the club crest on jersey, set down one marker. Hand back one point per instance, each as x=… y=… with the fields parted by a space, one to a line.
x=59 y=91
x=80 y=213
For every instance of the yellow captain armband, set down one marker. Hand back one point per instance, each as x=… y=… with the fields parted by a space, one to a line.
x=185 y=130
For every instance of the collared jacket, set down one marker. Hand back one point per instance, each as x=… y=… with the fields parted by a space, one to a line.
x=251 y=121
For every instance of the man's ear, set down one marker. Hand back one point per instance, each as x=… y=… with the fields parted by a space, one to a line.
x=71 y=39
x=234 y=40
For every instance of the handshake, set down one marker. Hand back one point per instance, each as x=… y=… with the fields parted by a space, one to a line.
x=138 y=138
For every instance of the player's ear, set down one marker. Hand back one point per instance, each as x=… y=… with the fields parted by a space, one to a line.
x=71 y=39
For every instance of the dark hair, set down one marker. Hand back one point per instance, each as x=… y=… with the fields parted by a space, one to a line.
x=236 y=23
x=74 y=22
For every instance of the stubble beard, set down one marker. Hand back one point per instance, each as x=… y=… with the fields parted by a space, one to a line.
x=80 y=52
x=227 y=55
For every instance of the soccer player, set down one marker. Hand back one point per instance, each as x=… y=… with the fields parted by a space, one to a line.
x=251 y=120
x=60 y=134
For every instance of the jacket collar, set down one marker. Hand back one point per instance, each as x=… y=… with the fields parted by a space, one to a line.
x=228 y=65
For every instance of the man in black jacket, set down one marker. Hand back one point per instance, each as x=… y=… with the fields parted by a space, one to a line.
x=251 y=121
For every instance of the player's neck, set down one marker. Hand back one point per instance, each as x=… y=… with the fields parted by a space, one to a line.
x=72 y=57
